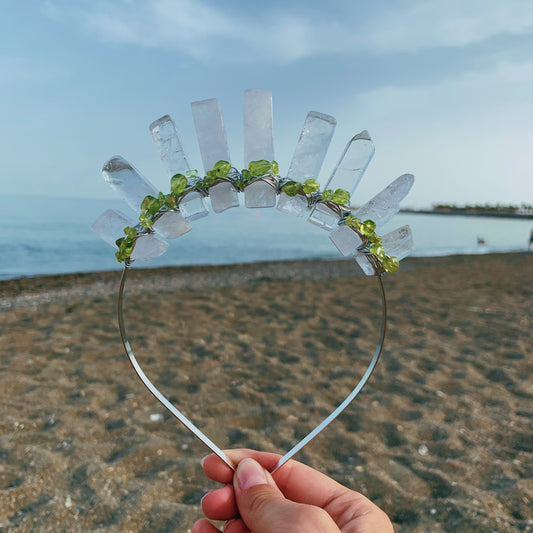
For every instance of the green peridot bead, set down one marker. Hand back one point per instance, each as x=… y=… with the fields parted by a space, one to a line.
x=178 y=183
x=145 y=220
x=151 y=205
x=292 y=188
x=366 y=230
x=275 y=167
x=221 y=169
x=260 y=168
x=191 y=173
x=370 y=224
x=378 y=251
x=310 y=186
x=390 y=264
x=209 y=179
x=352 y=221
x=341 y=197
x=327 y=195
x=170 y=201
x=118 y=242
x=130 y=232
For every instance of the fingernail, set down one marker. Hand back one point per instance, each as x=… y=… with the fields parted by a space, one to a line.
x=228 y=523
x=202 y=460
x=250 y=473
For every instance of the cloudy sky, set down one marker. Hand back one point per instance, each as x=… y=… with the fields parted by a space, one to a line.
x=444 y=87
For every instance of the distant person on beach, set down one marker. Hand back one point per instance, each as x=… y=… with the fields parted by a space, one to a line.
x=300 y=500
x=530 y=245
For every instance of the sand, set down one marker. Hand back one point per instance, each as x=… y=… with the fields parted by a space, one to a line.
x=441 y=438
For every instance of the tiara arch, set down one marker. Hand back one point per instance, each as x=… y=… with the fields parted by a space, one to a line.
x=168 y=216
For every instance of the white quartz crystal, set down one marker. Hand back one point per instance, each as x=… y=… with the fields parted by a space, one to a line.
x=312 y=146
x=293 y=205
x=148 y=246
x=171 y=225
x=365 y=264
x=223 y=196
x=110 y=225
x=324 y=217
x=399 y=242
x=258 y=136
x=260 y=194
x=210 y=131
x=168 y=144
x=386 y=204
x=127 y=181
x=352 y=164
x=345 y=239
x=193 y=206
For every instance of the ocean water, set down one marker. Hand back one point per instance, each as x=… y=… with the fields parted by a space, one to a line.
x=43 y=236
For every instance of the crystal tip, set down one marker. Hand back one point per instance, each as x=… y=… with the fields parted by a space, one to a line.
x=159 y=121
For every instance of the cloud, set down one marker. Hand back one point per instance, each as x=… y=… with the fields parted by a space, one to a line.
x=412 y=26
x=206 y=30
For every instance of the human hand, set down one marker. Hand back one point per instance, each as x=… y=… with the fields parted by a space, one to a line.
x=294 y=499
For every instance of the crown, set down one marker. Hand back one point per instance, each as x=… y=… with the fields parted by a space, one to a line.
x=168 y=215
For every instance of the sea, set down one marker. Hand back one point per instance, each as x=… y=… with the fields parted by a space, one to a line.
x=46 y=236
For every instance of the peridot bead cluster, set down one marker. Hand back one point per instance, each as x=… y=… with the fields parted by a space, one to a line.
x=180 y=184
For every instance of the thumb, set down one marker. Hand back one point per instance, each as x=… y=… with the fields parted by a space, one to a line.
x=264 y=509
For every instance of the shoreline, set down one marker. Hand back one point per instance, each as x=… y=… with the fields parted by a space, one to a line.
x=35 y=290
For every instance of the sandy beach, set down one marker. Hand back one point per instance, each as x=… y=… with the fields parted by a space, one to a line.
x=441 y=438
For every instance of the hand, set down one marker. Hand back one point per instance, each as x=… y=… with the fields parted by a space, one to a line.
x=295 y=499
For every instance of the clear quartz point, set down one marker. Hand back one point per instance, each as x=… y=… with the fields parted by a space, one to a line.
x=193 y=206
x=386 y=204
x=127 y=181
x=171 y=225
x=260 y=194
x=352 y=164
x=345 y=239
x=324 y=217
x=258 y=133
x=168 y=144
x=312 y=146
x=110 y=225
x=210 y=131
x=293 y=205
x=148 y=246
x=223 y=196
x=397 y=243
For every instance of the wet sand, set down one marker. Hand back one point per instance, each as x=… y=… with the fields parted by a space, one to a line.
x=441 y=438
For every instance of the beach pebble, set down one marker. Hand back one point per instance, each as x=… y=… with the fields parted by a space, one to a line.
x=423 y=449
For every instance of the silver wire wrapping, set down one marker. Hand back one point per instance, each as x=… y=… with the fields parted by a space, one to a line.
x=198 y=433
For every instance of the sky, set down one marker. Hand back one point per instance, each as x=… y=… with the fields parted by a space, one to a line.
x=445 y=88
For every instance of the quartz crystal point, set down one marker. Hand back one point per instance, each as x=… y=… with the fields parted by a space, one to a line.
x=127 y=182
x=169 y=146
x=193 y=205
x=258 y=135
x=293 y=205
x=345 y=239
x=324 y=217
x=260 y=194
x=386 y=204
x=110 y=225
x=132 y=187
x=308 y=157
x=312 y=146
x=223 y=196
x=171 y=225
x=352 y=164
x=397 y=243
x=210 y=132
